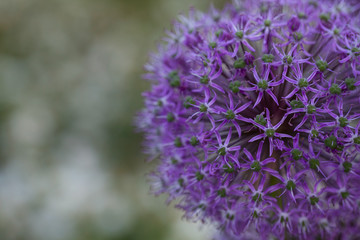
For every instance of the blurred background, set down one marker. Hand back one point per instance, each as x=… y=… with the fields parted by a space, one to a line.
x=70 y=84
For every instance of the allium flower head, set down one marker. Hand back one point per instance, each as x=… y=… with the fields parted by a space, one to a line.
x=254 y=116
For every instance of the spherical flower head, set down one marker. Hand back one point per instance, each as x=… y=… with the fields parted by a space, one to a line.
x=254 y=115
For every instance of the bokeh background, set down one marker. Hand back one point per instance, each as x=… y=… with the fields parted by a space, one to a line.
x=71 y=166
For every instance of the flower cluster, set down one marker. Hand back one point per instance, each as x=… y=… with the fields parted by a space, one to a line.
x=254 y=115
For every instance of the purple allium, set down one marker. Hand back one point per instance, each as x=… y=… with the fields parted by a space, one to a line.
x=254 y=116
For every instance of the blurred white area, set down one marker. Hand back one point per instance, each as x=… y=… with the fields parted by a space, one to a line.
x=69 y=69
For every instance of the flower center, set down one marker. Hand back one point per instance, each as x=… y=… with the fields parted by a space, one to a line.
x=296 y=154
x=270 y=132
x=255 y=166
x=267 y=23
x=240 y=34
x=303 y=83
x=263 y=84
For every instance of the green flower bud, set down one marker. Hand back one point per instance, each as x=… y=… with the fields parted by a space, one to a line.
x=170 y=117
x=255 y=166
x=234 y=86
x=314 y=163
x=296 y=154
x=222 y=151
x=303 y=82
x=331 y=142
x=260 y=120
x=239 y=63
x=204 y=80
x=270 y=132
x=267 y=23
x=290 y=185
x=213 y=45
x=222 y=192
x=335 y=89
x=230 y=114
x=321 y=65
x=268 y=58
x=188 y=101
x=311 y=109
x=296 y=104
x=177 y=142
x=347 y=166
x=194 y=141
x=240 y=34
x=199 y=176
x=203 y=108
x=263 y=84
x=343 y=121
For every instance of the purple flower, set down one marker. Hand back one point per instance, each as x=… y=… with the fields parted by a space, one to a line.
x=253 y=114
